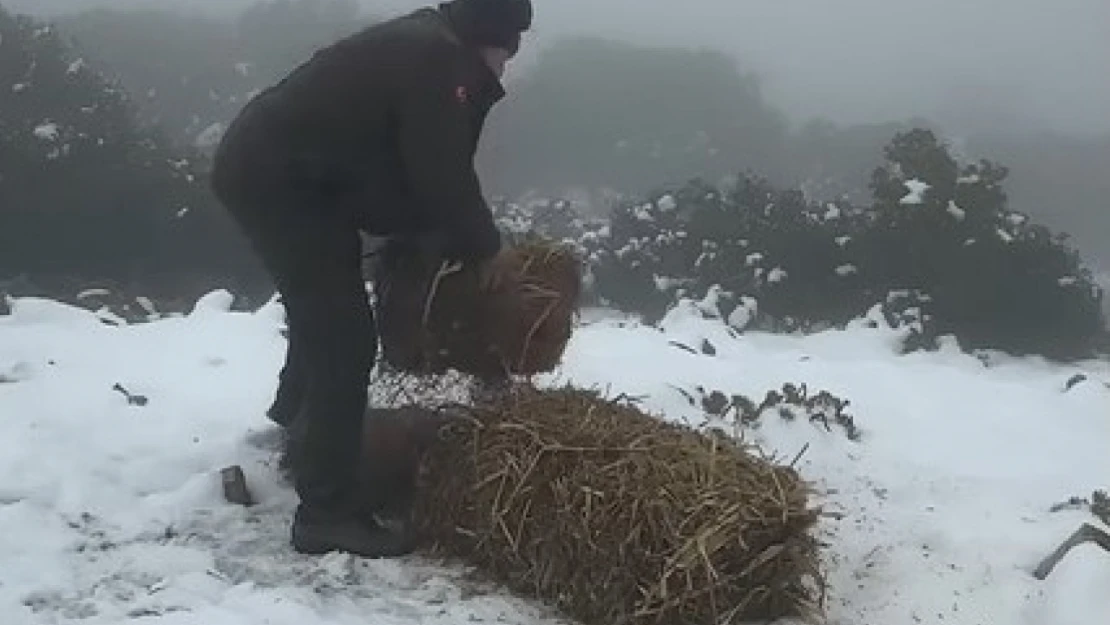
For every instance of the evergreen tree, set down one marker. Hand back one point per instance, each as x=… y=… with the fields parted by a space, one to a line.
x=85 y=190
x=994 y=278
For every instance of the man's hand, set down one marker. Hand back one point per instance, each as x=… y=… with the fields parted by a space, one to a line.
x=493 y=272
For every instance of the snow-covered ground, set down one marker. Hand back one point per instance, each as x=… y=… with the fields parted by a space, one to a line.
x=112 y=511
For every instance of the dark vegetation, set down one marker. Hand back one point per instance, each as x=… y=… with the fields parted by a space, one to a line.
x=109 y=118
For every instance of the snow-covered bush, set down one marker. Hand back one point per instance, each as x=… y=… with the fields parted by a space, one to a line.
x=552 y=218
x=646 y=260
x=748 y=241
x=938 y=250
x=995 y=279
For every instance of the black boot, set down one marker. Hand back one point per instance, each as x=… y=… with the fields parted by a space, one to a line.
x=317 y=532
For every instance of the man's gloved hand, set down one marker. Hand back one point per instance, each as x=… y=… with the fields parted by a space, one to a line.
x=469 y=247
x=493 y=272
x=483 y=253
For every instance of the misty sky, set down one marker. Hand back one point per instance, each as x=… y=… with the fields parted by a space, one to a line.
x=1041 y=63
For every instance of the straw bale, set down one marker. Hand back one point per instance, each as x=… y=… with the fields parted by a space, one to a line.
x=616 y=517
x=434 y=317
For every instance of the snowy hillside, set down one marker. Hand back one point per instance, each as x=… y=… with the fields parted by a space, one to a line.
x=111 y=509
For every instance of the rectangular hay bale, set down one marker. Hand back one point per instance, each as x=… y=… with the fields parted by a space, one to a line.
x=619 y=518
x=433 y=318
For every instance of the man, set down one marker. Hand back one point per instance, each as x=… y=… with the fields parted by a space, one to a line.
x=376 y=133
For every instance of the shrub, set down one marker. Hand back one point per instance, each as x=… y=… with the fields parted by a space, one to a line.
x=938 y=241
x=747 y=240
x=996 y=279
x=87 y=191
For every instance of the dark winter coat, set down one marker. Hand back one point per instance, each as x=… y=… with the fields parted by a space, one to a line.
x=382 y=128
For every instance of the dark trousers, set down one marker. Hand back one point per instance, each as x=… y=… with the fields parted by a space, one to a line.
x=315 y=261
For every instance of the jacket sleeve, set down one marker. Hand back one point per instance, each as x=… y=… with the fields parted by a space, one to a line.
x=435 y=136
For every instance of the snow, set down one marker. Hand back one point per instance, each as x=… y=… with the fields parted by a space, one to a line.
x=664 y=284
x=98 y=292
x=147 y=305
x=778 y=274
x=916 y=190
x=710 y=305
x=47 y=132
x=847 y=270
x=214 y=302
x=111 y=512
x=210 y=136
x=956 y=212
x=744 y=314
x=666 y=203
x=34 y=311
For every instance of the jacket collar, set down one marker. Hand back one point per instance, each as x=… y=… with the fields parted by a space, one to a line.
x=491 y=88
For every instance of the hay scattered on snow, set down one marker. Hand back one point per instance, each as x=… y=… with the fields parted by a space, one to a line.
x=619 y=518
x=434 y=318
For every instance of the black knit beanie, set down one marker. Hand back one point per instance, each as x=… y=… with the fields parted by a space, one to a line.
x=490 y=23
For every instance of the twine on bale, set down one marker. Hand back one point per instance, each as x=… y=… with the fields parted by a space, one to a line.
x=554 y=299
x=619 y=518
x=446 y=268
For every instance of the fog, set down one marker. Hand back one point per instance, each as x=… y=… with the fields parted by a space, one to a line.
x=1025 y=83
x=972 y=65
